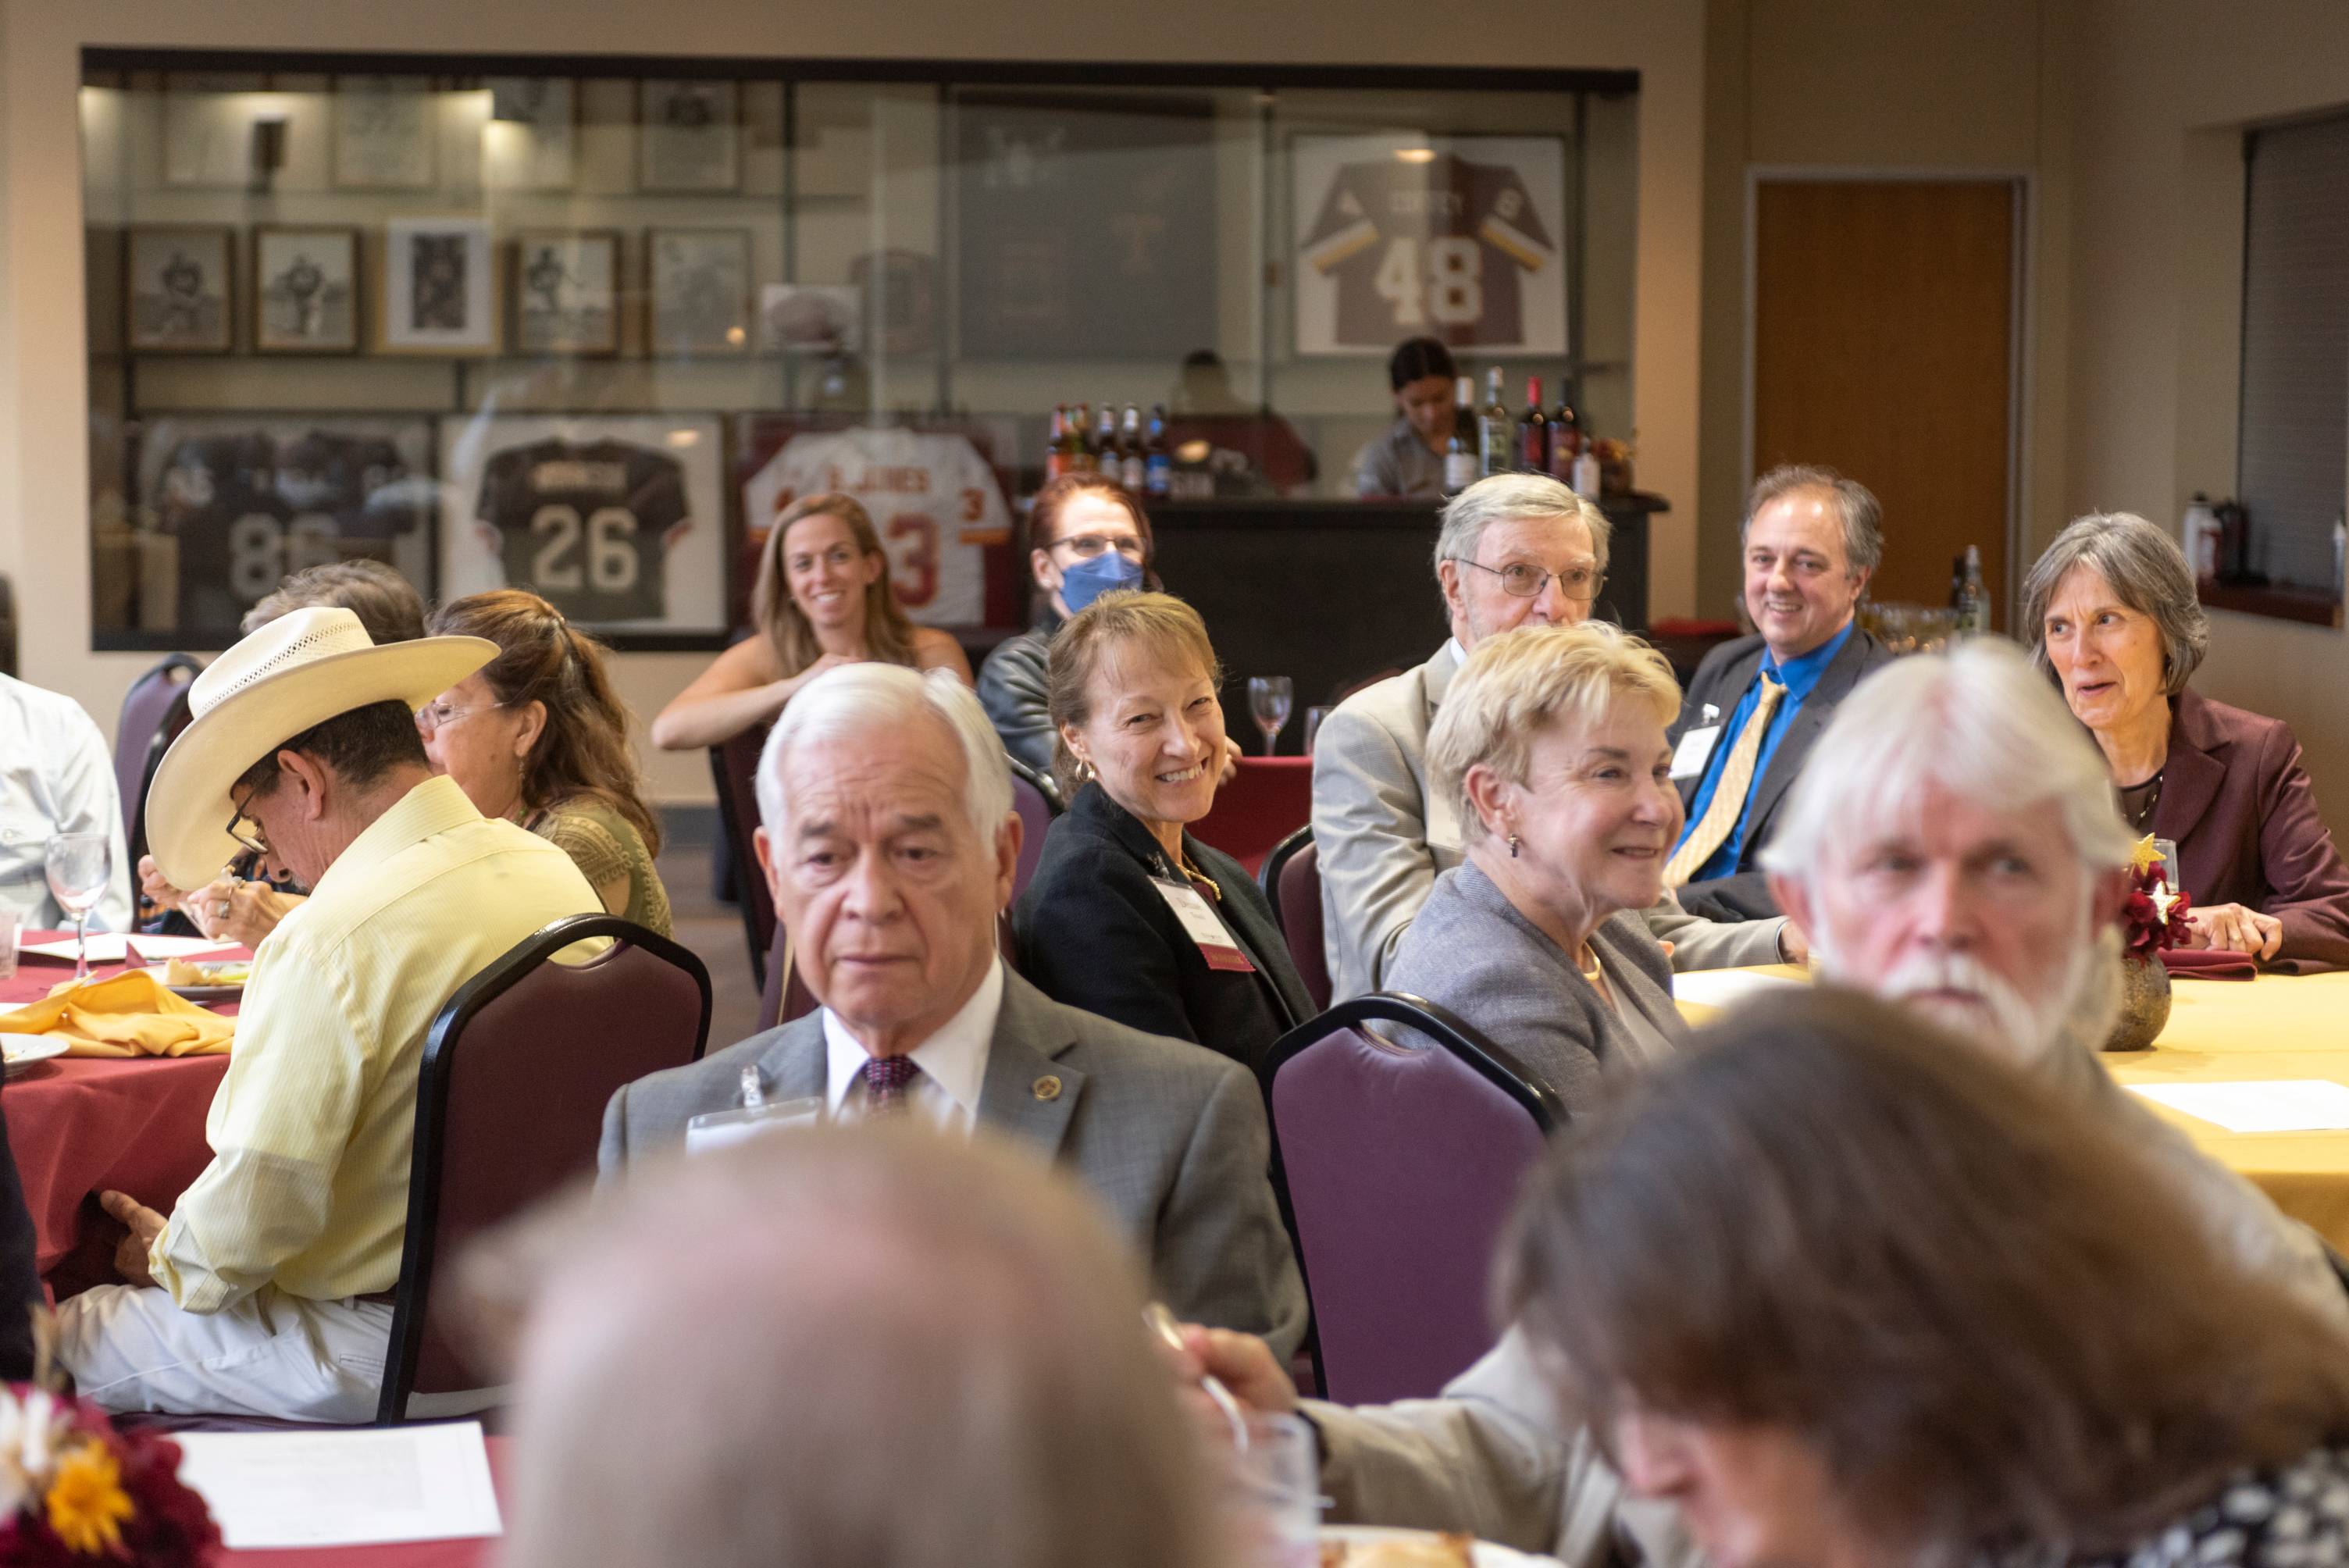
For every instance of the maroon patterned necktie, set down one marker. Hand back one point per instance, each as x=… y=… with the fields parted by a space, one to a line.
x=886 y=1081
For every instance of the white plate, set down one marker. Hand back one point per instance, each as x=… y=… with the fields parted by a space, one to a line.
x=24 y=1050
x=106 y=947
x=228 y=991
x=1486 y=1553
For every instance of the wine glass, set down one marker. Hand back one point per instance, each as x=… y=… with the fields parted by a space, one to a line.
x=77 y=870
x=1268 y=700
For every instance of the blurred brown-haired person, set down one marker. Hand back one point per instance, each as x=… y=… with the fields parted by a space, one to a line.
x=822 y=600
x=1848 y=1294
x=539 y=738
x=1087 y=537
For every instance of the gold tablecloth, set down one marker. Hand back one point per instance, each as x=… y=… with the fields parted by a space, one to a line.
x=2232 y=1031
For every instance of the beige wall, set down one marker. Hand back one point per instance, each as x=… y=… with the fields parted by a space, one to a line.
x=1859 y=85
x=43 y=473
x=2164 y=88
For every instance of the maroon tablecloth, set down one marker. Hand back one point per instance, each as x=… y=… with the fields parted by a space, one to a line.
x=79 y=1126
x=410 y=1554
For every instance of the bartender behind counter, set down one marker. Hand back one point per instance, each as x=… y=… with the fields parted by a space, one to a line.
x=1409 y=458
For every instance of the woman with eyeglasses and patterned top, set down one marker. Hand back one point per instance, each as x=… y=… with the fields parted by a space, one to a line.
x=822 y=599
x=539 y=736
x=1087 y=537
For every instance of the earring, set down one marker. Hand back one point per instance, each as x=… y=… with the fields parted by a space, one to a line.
x=1513 y=846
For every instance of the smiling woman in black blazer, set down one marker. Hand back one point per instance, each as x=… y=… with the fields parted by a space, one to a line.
x=1129 y=916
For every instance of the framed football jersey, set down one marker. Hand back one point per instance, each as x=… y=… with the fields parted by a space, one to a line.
x=236 y=501
x=618 y=522
x=1461 y=239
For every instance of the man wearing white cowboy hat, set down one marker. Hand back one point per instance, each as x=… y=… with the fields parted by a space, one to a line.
x=267 y=1291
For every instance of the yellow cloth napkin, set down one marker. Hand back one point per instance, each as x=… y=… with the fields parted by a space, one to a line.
x=126 y=1015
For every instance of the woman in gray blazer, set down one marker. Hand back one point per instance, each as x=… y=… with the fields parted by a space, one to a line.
x=1550 y=746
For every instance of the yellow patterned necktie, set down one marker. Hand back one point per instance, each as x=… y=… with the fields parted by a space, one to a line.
x=1728 y=800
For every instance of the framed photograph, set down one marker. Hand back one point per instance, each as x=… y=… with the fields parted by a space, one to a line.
x=689 y=135
x=617 y=521
x=306 y=291
x=386 y=134
x=235 y=501
x=438 y=293
x=1458 y=238
x=178 y=291
x=566 y=292
x=699 y=280
x=532 y=141
x=211 y=122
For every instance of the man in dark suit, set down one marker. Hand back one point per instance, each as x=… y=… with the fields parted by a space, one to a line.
x=1812 y=539
x=889 y=842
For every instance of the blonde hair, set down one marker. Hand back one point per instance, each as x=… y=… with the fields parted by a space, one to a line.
x=1519 y=681
x=888 y=635
x=1165 y=628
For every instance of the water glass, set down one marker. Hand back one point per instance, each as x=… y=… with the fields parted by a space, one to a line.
x=1275 y=1494
x=1268 y=702
x=1313 y=718
x=79 y=868
x=11 y=930
x=2168 y=850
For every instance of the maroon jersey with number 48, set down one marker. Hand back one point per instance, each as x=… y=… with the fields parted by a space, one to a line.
x=1431 y=249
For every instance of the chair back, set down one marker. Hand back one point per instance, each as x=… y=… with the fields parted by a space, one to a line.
x=510 y=1105
x=1038 y=801
x=1268 y=800
x=1292 y=880
x=734 y=769
x=154 y=711
x=1396 y=1164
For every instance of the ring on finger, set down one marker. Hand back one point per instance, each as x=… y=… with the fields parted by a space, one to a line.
x=219 y=909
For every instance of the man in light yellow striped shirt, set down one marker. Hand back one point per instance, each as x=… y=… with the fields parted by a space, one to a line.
x=267 y=1291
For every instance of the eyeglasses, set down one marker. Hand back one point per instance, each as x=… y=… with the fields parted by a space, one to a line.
x=1088 y=546
x=1519 y=580
x=255 y=843
x=435 y=716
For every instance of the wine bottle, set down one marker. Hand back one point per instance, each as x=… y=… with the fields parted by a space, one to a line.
x=1496 y=432
x=1533 y=431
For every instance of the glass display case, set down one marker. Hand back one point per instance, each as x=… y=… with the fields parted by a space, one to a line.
x=585 y=331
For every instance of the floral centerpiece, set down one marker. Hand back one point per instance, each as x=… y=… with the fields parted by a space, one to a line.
x=73 y=1491
x=2153 y=918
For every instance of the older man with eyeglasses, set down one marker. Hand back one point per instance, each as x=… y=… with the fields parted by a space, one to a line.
x=267 y=1291
x=1515 y=549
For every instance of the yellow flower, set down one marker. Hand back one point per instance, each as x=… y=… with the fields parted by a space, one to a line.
x=87 y=1502
x=2144 y=857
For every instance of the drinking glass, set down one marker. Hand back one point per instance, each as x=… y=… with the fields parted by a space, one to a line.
x=1275 y=1494
x=10 y=931
x=1268 y=700
x=1313 y=718
x=78 y=869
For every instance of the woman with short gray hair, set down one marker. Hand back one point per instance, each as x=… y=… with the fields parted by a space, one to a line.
x=2114 y=616
x=1551 y=744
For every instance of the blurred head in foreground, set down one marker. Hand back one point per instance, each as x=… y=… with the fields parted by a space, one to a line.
x=863 y=1346
x=1953 y=844
x=1848 y=1294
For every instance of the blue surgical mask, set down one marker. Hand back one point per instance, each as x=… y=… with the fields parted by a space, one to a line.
x=1108 y=572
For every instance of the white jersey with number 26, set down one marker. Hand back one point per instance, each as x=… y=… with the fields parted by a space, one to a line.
x=932 y=498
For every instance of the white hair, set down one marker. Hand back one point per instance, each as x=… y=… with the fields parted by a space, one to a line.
x=859 y=698
x=1504 y=498
x=1979 y=722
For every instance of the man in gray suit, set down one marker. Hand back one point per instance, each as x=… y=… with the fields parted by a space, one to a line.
x=1515 y=549
x=889 y=841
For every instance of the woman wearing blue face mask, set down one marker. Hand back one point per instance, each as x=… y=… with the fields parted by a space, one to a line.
x=1090 y=538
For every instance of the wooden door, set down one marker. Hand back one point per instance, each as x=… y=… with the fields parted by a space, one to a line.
x=1883 y=333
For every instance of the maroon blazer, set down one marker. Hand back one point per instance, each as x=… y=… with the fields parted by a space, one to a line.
x=2238 y=804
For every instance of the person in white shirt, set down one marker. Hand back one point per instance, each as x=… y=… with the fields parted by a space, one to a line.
x=55 y=777
x=889 y=842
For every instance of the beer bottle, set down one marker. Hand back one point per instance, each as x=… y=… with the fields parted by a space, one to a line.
x=1496 y=431
x=1135 y=469
x=1564 y=441
x=1056 y=450
x=1081 y=443
x=1157 y=463
x=1533 y=431
x=1110 y=461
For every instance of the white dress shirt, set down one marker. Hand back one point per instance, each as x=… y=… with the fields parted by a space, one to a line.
x=55 y=777
x=953 y=1062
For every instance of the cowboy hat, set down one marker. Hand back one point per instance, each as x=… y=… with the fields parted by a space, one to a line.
x=301 y=669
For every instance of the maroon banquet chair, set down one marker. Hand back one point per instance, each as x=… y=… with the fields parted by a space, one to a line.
x=154 y=711
x=734 y=769
x=1396 y=1157
x=1038 y=801
x=1268 y=800
x=1292 y=880
x=510 y=1106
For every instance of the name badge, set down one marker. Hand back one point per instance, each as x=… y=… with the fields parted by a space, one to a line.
x=1694 y=750
x=756 y=1116
x=1203 y=926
